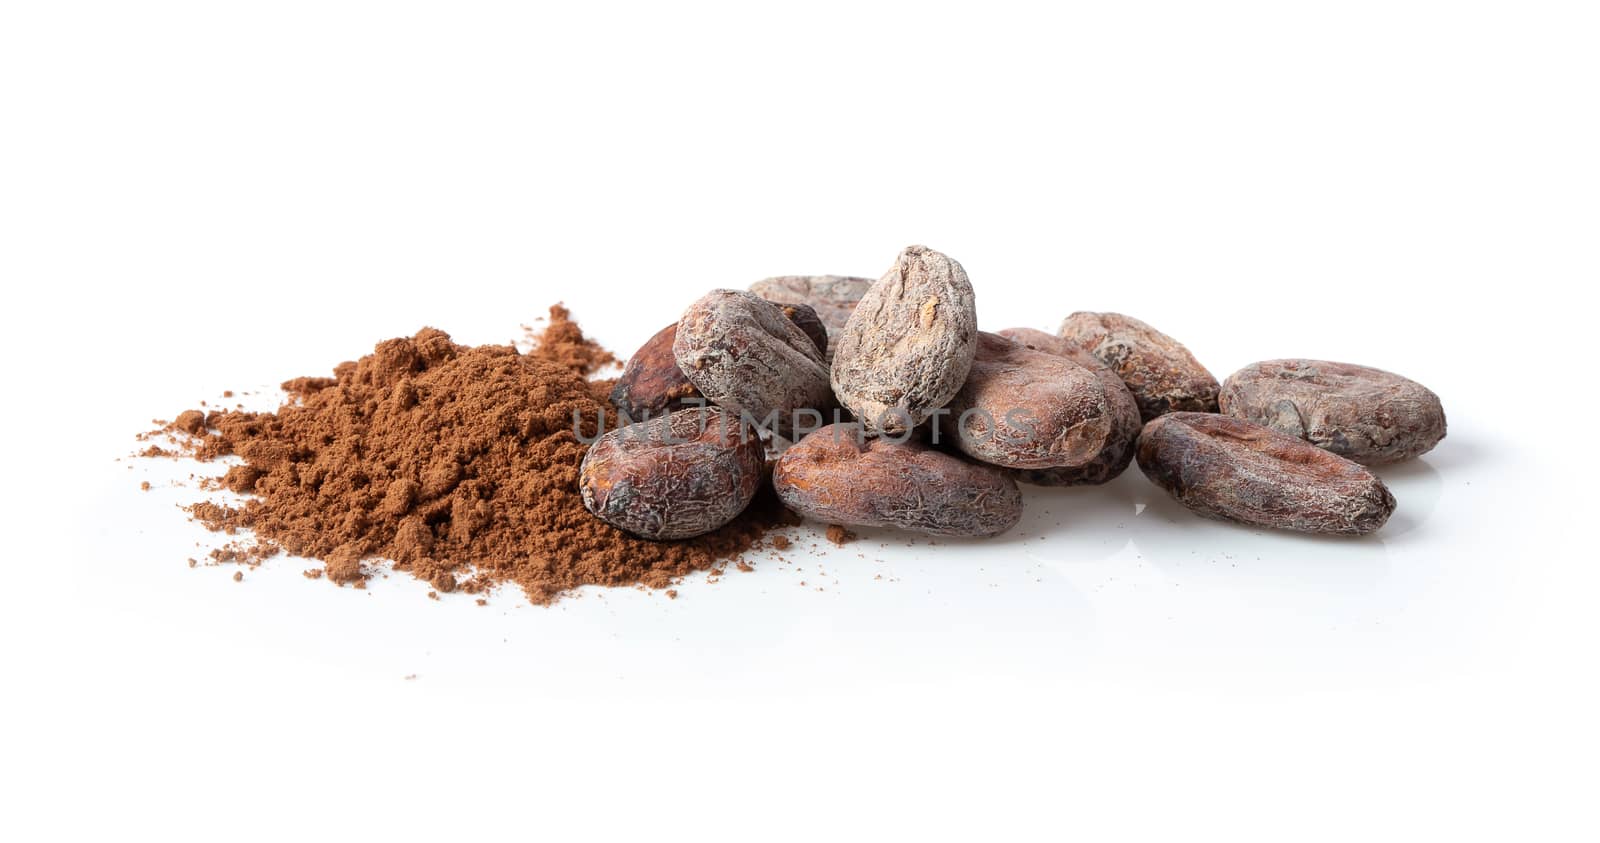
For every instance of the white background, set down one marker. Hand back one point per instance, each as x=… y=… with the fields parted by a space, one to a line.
x=207 y=196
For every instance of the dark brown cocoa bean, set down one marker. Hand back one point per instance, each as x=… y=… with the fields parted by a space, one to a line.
x=1162 y=375
x=909 y=345
x=1233 y=470
x=651 y=382
x=1360 y=413
x=675 y=476
x=804 y=316
x=834 y=297
x=1117 y=453
x=840 y=475
x=747 y=357
x=1022 y=408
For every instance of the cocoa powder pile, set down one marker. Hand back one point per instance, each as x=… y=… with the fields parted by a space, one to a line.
x=457 y=463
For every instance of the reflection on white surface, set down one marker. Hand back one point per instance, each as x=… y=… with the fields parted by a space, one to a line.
x=1112 y=581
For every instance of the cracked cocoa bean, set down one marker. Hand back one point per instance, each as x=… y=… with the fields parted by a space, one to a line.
x=909 y=345
x=673 y=477
x=1360 y=413
x=651 y=382
x=747 y=357
x=1162 y=375
x=1023 y=408
x=1224 y=468
x=834 y=297
x=1117 y=453
x=841 y=475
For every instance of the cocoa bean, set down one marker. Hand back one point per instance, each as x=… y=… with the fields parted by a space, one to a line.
x=842 y=475
x=1162 y=375
x=804 y=316
x=1022 y=408
x=909 y=345
x=1117 y=453
x=1233 y=470
x=834 y=297
x=651 y=382
x=1360 y=413
x=675 y=476
x=747 y=357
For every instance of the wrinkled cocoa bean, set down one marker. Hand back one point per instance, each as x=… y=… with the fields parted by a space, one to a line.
x=804 y=316
x=675 y=476
x=908 y=347
x=1162 y=375
x=840 y=475
x=1117 y=453
x=834 y=297
x=1233 y=470
x=1022 y=408
x=1360 y=413
x=745 y=356
x=651 y=382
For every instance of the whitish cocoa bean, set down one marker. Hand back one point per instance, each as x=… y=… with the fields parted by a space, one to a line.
x=1022 y=408
x=675 y=476
x=834 y=297
x=1117 y=453
x=840 y=475
x=651 y=382
x=1233 y=470
x=908 y=347
x=1360 y=413
x=1162 y=375
x=746 y=356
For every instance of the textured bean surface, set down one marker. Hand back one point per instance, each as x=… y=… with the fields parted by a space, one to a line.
x=1233 y=470
x=1162 y=375
x=908 y=347
x=1023 y=408
x=805 y=317
x=1117 y=453
x=833 y=297
x=746 y=356
x=841 y=476
x=1360 y=413
x=673 y=477
x=651 y=382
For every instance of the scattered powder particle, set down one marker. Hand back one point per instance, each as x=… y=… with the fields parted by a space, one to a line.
x=482 y=602
x=145 y=486
x=238 y=576
x=227 y=393
x=781 y=542
x=457 y=464
x=312 y=573
x=839 y=535
x=672 y=594
x=744 y=566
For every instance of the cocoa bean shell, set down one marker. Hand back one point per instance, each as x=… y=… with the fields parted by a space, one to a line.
x=833 y=297
x=673 y=477
x=1225 y=468
x=1360 y=413
x=1023 y=408
x=841 y=475
x=907 y=348
x=1117 y=453
x=746 y=356
x=651 y=382
x=1160 y=372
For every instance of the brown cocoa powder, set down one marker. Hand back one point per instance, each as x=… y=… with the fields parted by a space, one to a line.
x=457 y=464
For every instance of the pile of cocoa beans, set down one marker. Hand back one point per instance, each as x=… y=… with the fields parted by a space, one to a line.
x=881 y=404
